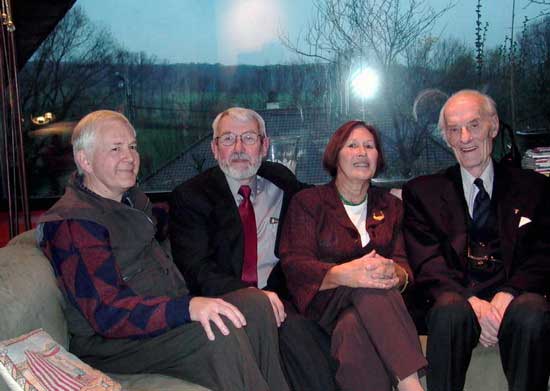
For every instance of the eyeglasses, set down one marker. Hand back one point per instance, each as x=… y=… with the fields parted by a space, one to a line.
x=229 y=139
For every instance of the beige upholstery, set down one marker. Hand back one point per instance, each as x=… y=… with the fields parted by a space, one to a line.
x=30 y=299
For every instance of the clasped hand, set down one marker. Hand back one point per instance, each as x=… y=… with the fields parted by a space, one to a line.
x=489 y=316
x=370 y=271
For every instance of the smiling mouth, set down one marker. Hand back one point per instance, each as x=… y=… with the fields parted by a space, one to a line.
x=468 y=149
x=361 y=165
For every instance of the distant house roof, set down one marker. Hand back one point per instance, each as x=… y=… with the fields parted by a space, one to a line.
x=313 y=129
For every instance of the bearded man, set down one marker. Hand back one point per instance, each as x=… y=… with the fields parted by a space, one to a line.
x=224 y=232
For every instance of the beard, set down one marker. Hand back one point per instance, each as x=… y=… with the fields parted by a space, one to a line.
x=240 y=173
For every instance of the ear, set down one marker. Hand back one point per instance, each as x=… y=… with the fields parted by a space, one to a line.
x=496 y=124
x=214 y=148
x=265 y=146
x=83 y=161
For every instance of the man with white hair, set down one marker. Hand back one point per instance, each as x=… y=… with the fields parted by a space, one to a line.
x=224 y=231
x=127 y=307
x=478 y=241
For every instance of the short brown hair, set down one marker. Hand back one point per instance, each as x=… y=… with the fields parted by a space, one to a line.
x=338 y=139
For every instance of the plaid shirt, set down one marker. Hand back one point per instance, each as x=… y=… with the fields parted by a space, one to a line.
x=81 y=255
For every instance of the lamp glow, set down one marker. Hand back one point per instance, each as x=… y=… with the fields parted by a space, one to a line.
x=365 y=83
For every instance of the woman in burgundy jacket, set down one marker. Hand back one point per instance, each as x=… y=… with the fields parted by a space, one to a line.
x=343 y=256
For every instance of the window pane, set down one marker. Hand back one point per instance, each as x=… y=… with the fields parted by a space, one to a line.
x=171 y=66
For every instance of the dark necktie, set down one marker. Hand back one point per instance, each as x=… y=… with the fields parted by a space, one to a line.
x=482 y=206
x=248 y=219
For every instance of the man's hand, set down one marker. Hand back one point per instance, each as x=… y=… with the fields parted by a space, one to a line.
x=278 y=307
x=501 y=301
x=204 y=310
x=489 y=319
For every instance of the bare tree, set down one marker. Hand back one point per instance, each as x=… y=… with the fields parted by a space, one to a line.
x=75 y=59
x=346 y=33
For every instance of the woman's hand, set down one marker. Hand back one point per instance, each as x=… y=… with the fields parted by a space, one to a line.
x=369 y=271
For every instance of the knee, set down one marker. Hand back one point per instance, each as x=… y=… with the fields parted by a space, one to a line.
x=253 y=303
x=348 y=326
x=528 y=311
x=450 y=308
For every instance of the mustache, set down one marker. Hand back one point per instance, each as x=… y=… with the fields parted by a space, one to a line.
x=239 y=156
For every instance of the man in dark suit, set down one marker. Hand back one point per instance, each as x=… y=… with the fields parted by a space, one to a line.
x=478 y=240
x=224 y=233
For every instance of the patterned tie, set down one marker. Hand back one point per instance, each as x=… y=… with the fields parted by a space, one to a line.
x=482 y=206
x=248 y=219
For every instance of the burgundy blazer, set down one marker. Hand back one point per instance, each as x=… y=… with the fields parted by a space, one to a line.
x=318 y=234
x=436 y=231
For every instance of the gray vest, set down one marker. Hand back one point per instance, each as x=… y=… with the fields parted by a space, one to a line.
x=144 y=265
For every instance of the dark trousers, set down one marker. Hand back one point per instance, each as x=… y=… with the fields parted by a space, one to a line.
x=246 y=359
x=373 y=338
x=305 y=353
x=523 y=342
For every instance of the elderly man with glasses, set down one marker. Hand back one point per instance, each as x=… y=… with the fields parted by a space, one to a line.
x=224 y=232
x=478 y=240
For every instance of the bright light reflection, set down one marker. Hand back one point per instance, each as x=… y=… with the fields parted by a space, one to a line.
x=365 y=83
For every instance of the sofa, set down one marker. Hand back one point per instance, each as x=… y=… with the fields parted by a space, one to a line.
x=30 y=299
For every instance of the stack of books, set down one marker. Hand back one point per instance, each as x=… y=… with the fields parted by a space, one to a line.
x=537 y=159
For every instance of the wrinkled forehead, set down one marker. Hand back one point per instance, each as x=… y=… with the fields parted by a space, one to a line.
x=113 y=129
x=464 y=108
x=237 y=124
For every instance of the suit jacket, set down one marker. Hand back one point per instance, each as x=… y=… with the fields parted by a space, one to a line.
x=436 y=230
x=319 y=234
x=206 y=233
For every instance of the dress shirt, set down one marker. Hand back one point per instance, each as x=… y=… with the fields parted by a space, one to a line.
x=471 y=190
x=267 y=200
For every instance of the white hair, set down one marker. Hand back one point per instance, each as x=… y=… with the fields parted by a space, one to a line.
x=240 y=114
x=85 y=131
x=488 y=107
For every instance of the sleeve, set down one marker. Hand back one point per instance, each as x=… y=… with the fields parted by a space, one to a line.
x=427 y=250
x=399 y=254
x=298 y=249
x=81 y=255
x=531 y=266
x=192 y=248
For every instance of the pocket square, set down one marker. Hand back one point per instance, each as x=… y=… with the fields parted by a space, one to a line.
x=523 y=221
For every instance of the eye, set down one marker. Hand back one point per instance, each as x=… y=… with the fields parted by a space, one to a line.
x=370 y=146
x=452 y=129
x=133 y=147
x=353 y=144
x=474 y=125
x=115 y=149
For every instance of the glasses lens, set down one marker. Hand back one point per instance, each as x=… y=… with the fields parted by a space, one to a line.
x=227 y=139
x=249 y=138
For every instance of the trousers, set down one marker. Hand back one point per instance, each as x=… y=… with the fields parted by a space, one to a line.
x=523 y=341
x=374 y=340
x=246 y=359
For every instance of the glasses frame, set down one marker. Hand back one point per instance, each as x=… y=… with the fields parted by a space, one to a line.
x=239 y=136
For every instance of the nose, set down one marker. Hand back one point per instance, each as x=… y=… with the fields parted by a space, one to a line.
x=465 y=134
x=129 y=154
x=239 y=146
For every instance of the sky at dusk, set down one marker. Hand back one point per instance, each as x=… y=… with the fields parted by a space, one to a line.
x=247 y=31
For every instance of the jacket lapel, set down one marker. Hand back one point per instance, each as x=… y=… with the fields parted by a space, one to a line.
x=226 y=216
x=509 y=213
x=454 y=212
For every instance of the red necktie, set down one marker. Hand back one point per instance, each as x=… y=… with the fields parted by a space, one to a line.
x=248 y=219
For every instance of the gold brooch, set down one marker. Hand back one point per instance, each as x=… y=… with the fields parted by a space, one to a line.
x=378 y=216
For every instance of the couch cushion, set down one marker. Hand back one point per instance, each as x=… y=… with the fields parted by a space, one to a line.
x=150 y=382
x=29 y=296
